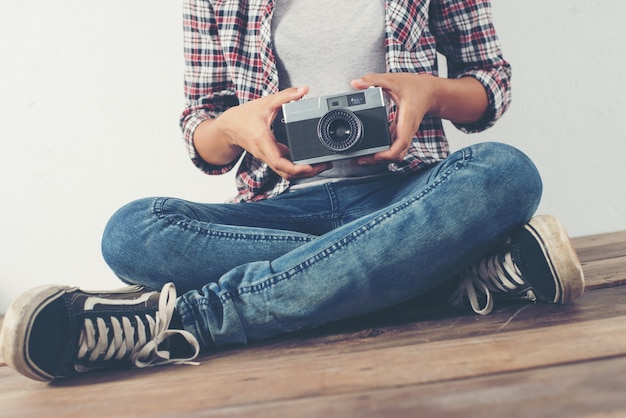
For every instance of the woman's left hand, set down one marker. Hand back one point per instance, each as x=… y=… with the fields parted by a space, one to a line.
x=413 y=95
x=462 y=100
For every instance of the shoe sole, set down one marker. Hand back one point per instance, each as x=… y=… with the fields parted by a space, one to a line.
x=17 y=326
x=560 y=255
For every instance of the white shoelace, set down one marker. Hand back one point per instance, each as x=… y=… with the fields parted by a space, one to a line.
x=497 y=273
x=133 y=343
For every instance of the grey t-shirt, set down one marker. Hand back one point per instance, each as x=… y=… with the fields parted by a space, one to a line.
x=325 y=44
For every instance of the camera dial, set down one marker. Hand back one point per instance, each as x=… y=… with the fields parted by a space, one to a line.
x=340 y=130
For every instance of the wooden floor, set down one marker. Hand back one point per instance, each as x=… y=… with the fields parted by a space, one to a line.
x=533 y=360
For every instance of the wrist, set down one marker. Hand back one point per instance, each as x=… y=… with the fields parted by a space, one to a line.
x=214 y=142
x=435 y=94
x=461 y=100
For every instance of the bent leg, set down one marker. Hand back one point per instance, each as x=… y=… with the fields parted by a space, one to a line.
x=157 y=240
x=441 y=221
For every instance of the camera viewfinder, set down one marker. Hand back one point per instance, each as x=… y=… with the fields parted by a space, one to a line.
x=356 y=99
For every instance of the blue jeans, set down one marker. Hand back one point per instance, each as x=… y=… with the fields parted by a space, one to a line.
x=251 y=271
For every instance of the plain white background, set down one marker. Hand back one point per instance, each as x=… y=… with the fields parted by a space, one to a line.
x=90 y=94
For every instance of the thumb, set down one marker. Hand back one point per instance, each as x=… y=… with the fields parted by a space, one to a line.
x=369 y=80
x=289 y=95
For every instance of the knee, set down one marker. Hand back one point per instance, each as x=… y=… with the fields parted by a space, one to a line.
x=124 y=233
x=513 y=175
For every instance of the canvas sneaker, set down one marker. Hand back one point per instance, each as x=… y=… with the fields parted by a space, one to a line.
x=537 y=263
x=53 y=332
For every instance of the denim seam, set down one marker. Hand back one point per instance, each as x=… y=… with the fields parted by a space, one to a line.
x=181 y=222
x=291 y=219
x=288 y=274
x=334 y=205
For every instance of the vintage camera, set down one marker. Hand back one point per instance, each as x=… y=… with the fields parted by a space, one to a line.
x=335 y=127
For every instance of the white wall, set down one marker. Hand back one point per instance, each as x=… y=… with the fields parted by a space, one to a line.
x=569 y=105
x=90 y=94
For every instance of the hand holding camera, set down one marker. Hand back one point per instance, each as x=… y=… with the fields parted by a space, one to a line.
x=247 y=127
x=463 y=100
x=335 y=127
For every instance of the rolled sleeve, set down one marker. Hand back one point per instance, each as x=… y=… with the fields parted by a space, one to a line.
x=191 y=118
x=467 y=38
x=208 y=88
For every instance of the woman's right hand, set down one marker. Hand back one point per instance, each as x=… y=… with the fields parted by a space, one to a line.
x=249 y=127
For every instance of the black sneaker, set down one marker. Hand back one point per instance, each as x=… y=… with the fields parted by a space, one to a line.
x=53 y=332
x=537 y=263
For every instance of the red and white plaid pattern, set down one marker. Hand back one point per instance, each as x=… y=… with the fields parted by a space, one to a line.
x=229 y=60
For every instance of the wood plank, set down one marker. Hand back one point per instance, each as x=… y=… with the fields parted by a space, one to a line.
x=599 y=240
x=413 y=325
x=600 y=247
x=240 y=377
x=582 y=389
x=605 y=273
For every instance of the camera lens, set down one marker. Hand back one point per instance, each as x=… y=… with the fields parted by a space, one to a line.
x=339 y=130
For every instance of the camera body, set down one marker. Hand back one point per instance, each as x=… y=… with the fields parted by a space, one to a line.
x=335 y=127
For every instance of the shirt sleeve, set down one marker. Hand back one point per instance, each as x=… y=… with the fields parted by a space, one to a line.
x=208 y=89
x=467 y=38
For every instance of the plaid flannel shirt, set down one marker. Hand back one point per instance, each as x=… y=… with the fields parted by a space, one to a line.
x=229 y=60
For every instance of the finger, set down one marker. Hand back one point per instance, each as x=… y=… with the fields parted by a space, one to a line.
x=392 y=129
x=404 y=130
x=394 y=154
x=360 y=84
x=275 y=101
x=288 y=95
x=384 y=80
x=398 y=150
x=406 y=124
x=266 y=148
x=288 y=170
x=277 y=158
x=367 y=160
x=370 y=80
